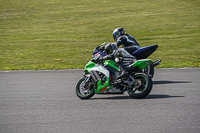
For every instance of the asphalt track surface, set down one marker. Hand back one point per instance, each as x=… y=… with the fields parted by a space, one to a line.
x=45 y=102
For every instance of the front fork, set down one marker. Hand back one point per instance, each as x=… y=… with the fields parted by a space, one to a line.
x=87 y=78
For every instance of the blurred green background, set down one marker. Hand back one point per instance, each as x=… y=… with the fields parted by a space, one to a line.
x=61 y=34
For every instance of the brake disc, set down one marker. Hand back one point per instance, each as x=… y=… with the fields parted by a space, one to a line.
x=86 y=87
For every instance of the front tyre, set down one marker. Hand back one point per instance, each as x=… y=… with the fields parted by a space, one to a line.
x=142 y=88
x=85 y=88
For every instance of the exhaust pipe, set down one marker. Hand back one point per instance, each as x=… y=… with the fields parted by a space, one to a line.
x=156 y=62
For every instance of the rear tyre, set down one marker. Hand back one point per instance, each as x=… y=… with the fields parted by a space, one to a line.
x=142 y=88
x=85 y=88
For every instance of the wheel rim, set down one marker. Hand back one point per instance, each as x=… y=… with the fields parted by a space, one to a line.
x=141 y=86
x=85 y=88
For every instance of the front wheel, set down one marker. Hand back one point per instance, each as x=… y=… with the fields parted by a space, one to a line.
x=85 y=88
x=142 y=88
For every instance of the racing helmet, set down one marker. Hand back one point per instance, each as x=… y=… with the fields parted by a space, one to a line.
x=117 y=33
x=109 y=48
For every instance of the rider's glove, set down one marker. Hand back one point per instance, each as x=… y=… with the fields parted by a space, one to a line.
x=100 y=59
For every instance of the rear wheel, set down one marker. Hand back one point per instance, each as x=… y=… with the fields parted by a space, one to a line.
x=85 y=88
x=142 y=88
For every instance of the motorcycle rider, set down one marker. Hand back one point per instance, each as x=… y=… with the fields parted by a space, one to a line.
x=128 y=42
x=113 y=52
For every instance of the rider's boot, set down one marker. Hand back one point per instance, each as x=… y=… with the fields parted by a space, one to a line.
x=124 y=71
x=123 y=74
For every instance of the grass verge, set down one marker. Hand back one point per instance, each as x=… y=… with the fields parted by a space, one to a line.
x=58 y=34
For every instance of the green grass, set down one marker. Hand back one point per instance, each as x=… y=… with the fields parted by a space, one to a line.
x=61 y=34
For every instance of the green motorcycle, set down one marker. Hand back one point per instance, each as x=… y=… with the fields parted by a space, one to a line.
x=102 y=77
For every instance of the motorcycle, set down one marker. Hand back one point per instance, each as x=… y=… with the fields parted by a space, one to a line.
x=102 y=76
x=141 y=53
